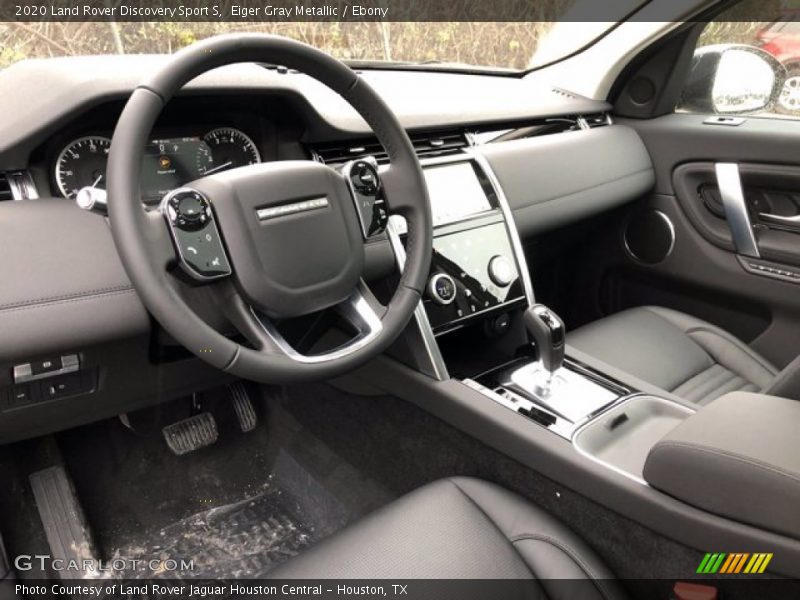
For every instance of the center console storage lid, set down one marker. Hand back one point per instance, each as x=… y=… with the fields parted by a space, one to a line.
x=738 y=457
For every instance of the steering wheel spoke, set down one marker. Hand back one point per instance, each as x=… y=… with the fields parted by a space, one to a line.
x=357 y=311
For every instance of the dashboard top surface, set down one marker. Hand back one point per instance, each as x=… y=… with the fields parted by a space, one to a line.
x=51 y=92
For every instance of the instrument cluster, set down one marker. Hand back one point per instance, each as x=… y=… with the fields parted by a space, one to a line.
x=168 y=162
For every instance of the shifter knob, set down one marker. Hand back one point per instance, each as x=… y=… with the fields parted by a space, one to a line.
x=548 y=332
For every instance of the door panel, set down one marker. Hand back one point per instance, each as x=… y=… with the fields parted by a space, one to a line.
x=756 y=298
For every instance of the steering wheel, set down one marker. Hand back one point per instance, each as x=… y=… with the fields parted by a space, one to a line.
x=274 y=240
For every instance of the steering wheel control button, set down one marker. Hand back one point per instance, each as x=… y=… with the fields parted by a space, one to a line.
x=501 y=271
x=442 y=289
x=364 y=177
x=188 y=210
x=364 y=184
x=195 y=234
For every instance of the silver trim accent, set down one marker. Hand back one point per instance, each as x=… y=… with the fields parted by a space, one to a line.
x=792 y=222
x=273 y=212
x=70 y=363
x=21 y=185
x=565 y=393
x=92 y=199
x=730 y=190
x=671 y=227
x=420 y=316
x=356 y=309
x=61 y=154
x=511 y=226
x=435 y=293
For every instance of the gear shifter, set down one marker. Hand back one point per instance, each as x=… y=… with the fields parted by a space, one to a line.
x=548 y=332
x=564 y=392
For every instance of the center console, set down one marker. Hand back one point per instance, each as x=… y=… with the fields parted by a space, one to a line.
x=479 y=324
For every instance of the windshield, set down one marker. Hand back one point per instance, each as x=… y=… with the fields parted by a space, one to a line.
x=508 y=46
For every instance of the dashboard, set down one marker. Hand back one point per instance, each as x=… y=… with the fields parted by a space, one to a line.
x=71 y=295
x=168 y=162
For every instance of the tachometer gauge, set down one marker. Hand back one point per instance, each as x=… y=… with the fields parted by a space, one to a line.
x=82 y=163
x=230 y=148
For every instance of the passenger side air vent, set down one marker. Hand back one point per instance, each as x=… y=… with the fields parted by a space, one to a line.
x=5 y=188
x=426 y=145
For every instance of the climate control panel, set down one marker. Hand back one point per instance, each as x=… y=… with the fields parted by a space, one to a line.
x=473 y=272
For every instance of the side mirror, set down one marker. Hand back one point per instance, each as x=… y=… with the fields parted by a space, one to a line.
x=732 y=79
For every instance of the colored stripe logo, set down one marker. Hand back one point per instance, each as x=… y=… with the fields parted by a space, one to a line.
x=734 y=563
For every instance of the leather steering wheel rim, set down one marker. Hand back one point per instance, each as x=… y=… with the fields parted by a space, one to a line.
x=142 y=238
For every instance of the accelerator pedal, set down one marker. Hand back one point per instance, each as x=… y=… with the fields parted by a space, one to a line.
x=65 y=524
x=243 y=407
x=191 y=434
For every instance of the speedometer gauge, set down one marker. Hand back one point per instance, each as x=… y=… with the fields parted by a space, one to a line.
x=82 y=163
x=230 y=148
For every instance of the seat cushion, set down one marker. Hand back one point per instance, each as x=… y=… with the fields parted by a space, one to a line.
x=460 y=528
x=676 y=352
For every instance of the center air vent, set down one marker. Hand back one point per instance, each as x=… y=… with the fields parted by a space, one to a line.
x=425 y=145
x=5 y=188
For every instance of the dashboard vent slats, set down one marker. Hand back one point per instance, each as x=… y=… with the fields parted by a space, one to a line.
x=5 y=188
x=426 y=145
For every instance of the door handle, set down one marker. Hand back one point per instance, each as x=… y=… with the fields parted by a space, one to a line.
x=730 y=190
x=792 y=222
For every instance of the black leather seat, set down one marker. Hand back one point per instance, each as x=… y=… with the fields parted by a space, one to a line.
x=460 y=528
x=678 y=353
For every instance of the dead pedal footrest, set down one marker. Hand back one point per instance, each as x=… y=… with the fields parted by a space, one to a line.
x=243 y=407
x=64 y=522
x=191 y=434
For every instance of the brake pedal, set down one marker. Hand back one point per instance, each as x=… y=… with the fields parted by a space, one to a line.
x=191 y=434
x=243 y=407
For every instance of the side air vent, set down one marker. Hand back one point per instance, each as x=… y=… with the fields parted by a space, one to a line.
x=5 y=188
x=426 y=145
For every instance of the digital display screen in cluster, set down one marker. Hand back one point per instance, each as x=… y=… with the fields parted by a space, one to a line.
x=169 y=163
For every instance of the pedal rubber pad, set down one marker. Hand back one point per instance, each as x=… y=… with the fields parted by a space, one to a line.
x=243 y=407
x=191 y=434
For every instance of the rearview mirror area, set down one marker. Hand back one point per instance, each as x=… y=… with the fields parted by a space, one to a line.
x=732 y=79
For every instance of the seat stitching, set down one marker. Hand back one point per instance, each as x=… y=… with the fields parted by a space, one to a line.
x=569 y=551
x=488 y=518
x=715 y=382
x=732 y=455
x=732 y=340
x=696 y=381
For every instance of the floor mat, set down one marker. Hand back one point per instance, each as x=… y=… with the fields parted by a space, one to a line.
x=237 y=508
x=244 y=540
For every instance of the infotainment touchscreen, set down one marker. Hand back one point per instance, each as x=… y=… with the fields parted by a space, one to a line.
x=455 y=192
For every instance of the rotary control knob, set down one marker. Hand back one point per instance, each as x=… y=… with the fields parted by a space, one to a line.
x=442 y=289
x=501 y=271
x=364 y=177
x=188 y=210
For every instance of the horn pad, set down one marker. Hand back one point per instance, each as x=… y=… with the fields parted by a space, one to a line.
x=291 y=232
